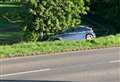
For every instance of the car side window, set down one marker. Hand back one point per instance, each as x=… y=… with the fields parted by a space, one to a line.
x=80 y=29
x=69 y=30
x=77 y=29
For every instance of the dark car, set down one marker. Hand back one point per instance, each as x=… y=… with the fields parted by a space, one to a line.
x=77 y=33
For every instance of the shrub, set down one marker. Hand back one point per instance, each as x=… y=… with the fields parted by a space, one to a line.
x=50 y=16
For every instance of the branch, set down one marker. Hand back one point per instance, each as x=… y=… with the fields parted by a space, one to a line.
x=11 y=21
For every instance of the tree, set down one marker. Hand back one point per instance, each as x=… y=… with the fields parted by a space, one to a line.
x=44 y=17
x=110 y=10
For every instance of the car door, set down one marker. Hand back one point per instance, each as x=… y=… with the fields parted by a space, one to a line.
x=74 y=35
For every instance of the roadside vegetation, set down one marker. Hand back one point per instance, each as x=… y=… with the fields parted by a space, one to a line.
x=42 y=48
x=26 y=24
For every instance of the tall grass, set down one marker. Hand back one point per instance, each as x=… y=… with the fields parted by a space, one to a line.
x=35 y=48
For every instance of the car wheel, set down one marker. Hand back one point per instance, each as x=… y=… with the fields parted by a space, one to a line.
x=89 y=37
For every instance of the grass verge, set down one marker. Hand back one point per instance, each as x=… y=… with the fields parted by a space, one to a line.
x=35 y=48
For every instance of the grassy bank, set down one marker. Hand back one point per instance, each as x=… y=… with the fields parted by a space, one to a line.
x=34 y=48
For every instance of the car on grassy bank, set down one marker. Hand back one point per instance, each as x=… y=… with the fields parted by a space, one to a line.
x=81 y=32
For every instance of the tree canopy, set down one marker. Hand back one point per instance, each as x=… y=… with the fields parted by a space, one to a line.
x=110 y=10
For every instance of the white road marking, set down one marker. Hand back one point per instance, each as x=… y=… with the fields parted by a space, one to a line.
x=114 y=61
x=26 y=72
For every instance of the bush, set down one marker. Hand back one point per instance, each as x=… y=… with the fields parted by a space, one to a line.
x=50 y=16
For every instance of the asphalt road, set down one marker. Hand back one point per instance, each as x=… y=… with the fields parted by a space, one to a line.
x=102 y=65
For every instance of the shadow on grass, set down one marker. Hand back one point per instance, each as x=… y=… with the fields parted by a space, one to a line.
x=8 y=38
x=4 y=41
x=33 y=81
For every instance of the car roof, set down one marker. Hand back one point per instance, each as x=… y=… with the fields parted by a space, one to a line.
x=84 y=27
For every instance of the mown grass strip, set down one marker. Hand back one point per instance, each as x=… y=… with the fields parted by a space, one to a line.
x=35 y=48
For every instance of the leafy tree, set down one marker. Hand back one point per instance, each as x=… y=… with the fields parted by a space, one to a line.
x=110 y=10
x=43 y=17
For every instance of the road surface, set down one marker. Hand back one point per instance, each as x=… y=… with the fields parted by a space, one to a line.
x=99 y=65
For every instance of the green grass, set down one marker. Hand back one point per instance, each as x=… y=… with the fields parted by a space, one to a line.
x=35 y=48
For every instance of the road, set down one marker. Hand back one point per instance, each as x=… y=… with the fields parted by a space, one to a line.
x=98 y=65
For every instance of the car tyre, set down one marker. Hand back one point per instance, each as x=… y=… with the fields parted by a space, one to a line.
x=89 y=37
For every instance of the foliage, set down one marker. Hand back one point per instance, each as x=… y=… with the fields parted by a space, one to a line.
x=110 y=10
x=51 y=16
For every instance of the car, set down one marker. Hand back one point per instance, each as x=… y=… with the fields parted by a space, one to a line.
x=81 y=32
